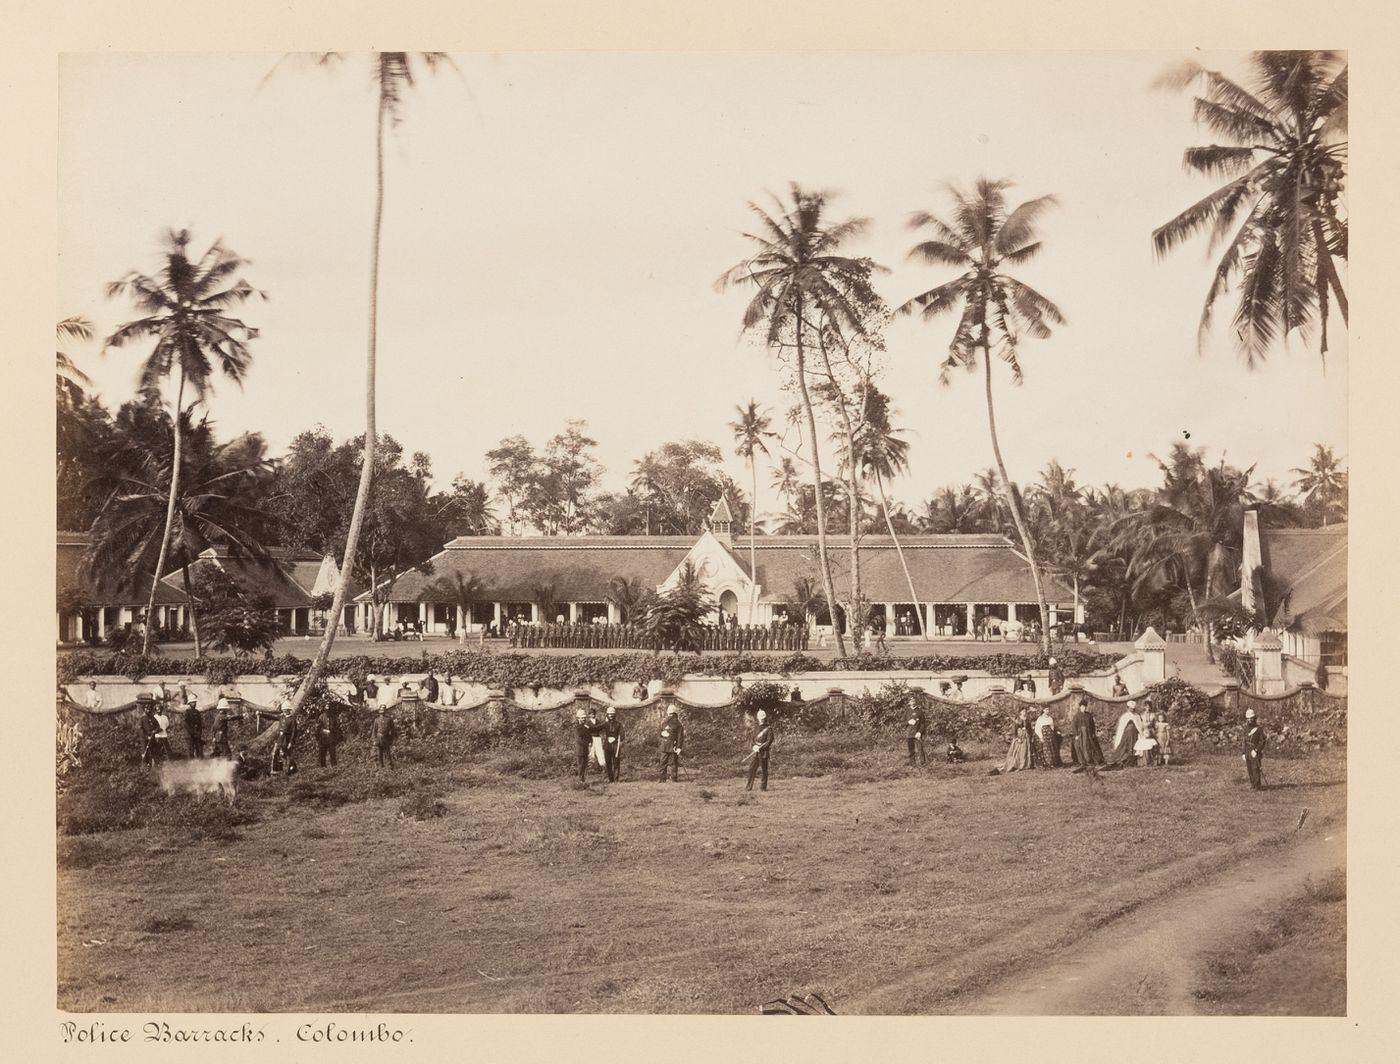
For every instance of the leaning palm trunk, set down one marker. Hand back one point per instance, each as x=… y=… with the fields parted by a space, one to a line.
x=189 y=605
x=1015 y=505
x=854 y=613
x=169 y=519
x=357 y=516
x=753 y=557
x=823 y=561
x=903 y=564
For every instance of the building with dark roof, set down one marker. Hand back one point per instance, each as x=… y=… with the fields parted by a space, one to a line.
x=89 y=606
x=1304 y=572
x=295 y=580
x=959 y=579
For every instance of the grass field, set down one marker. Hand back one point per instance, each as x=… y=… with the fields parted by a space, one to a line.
x=502 y=885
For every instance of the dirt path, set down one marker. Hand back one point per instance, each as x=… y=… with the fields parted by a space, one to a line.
x=1146 y=962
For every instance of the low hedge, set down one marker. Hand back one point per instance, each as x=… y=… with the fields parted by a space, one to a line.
x=565 y=671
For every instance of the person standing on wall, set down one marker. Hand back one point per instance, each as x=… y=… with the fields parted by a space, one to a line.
x=672 y=736
x=762 y=744
x=1254 y=741
x=1057 y=677
x=430 y=689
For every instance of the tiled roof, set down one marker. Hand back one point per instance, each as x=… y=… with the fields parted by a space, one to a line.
x=288 y=577
x=945 y=568
x=1311 y=564
x=72 y=574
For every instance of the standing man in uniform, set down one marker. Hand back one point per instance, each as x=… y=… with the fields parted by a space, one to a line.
x=914 y=733
x=758 y=756
x=583 y=742
x=612 y=745
x=430 y=689
x=1057 y=677
x=1253 y=755
x=194 y=726
x=672 y=735
x=327 y=736
x=384 y=733
x=148 y=726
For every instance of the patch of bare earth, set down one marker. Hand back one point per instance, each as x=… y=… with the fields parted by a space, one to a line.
x=883 y=888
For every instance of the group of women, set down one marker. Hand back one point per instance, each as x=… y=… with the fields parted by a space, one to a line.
x=1140 y=738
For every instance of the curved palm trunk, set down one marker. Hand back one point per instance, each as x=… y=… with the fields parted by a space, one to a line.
x=357 y=515
x=825 y=563
x=903 y=564
x=854 y=614
x=169 y=518
x=753 y=513
x=1015 y=505
x=194 y=620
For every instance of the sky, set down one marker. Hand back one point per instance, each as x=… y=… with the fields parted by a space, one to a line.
x=555 y=223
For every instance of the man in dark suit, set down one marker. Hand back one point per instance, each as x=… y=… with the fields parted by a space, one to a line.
x=1253 y=755
x=914 y=730
x=612 y=745
x=758 y=757
x=672 y=735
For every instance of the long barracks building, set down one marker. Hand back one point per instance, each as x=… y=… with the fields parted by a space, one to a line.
x=961 y=580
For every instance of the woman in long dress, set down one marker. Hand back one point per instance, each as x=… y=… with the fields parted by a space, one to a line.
x=1018 y=756
x=1049 y=737
x=1126 y=737
x=1085 y=744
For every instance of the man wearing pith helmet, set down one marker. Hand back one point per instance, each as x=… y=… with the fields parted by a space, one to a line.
x=758 y=756
x=612 y=744
x=672 y=734
x=1254 y=750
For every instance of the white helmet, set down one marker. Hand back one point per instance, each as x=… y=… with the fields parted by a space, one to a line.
x=762 y=715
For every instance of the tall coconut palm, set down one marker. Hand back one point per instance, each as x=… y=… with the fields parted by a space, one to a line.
x=1323 y=483
x=72 y=380
x=185 y=311
x=982 y=238
x=1285 y=158
x=881 y=454
x=393 y=76
x=752 y=427
x=1198 y=529
x=786 y=480
x=220 y=504
x=803 y=283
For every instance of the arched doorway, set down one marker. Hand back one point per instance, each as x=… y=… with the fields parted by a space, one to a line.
x=729 y=604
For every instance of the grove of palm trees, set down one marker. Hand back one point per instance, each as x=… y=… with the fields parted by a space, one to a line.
x=525 y=362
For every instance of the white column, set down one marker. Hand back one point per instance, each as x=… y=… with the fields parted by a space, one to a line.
x=614 y=615
x=1011 y=611
x=496 y=616
x=572 y=615
x=423 y=615
x=101 y=622
x=971 y=620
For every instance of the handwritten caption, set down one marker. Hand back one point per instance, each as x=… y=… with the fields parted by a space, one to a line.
x=163 y=1031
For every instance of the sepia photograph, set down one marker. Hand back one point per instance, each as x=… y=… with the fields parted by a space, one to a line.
x=702 y=533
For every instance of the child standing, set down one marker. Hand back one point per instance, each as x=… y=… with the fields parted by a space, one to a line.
x=1164 y=738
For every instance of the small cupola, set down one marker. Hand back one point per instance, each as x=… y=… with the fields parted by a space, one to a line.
x=722 y=520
